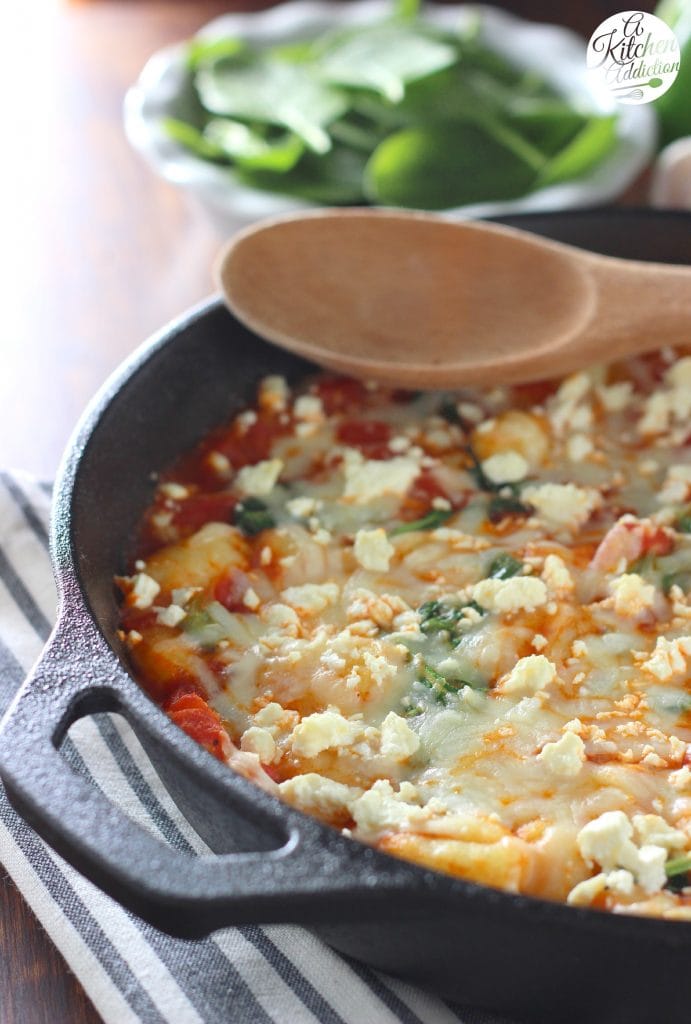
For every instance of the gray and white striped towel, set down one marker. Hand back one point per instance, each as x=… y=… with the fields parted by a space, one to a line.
x=133 y=973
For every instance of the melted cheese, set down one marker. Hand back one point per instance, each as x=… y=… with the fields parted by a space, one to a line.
x=476 y=658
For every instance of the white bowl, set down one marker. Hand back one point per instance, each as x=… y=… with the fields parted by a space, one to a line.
x=556 y=53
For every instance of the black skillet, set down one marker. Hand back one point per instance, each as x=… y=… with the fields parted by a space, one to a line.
x=527 y=958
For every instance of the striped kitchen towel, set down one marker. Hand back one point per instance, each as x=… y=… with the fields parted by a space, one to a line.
x=133 y=973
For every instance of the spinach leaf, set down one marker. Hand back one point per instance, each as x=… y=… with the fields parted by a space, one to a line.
x=332 y=179
x=592 y=143
x=442 y=686
x=499 y=509
x=202 y=51
x=252 y=516
x=261 y=88
x=383 y=58
x=445 y=165
x=250 y=148
x=431 y=521
x=503 y=566
x=683 y=522
x=193 y=139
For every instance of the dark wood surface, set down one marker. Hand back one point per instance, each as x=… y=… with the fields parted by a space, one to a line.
x=97 y=253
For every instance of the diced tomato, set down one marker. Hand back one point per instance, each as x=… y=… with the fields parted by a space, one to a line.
x=193 y=715
x=419 y=499
x=194 y=512
x=371 y=437
x=533 y=393
x=341 y=394
x=658 y=542
x=230 y=590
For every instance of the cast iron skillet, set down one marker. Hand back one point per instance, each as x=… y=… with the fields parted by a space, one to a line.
x=524 y=957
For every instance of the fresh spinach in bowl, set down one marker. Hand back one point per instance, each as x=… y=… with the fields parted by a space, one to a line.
x=398 y=113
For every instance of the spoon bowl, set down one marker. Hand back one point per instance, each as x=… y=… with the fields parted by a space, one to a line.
x=412 y=299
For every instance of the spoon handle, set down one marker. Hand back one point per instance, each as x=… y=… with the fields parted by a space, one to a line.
x=660 y=295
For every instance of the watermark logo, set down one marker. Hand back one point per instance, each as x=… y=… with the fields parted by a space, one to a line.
x=635 y=55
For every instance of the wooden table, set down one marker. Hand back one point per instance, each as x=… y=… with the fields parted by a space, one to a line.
x=98 y=253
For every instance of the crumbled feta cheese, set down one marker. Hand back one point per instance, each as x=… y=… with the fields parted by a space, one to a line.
x=368 y=479
x=246 y=419
x=539 y=642
x=322 y=731
x=372 y=550
x=250 y=599
x=573 y=388
x=564 y=757
x=271 y=714
x=220 y=463
x=144 y=590
x=652 y=829
x=380 y=808
x=399 y=444
x=317 y=794
x=677 y=486
x=175 y=491
x=563 y=505
x=681 y=778
x=578 y=447
x=679 y=373
x=302 y=508
x=256 y=740
x=171 y=616
x=442 y=504
x=183 y=595
x=398 y=741
x=273 y=394
x=505 y=467
x=309 y=407
x=469 y=411
x=632 y=595
x=311 y=598
x=556 y=575
x=519 y=593
x=615 y=397
x=529 y=675
x=608 y=841
x=266 y=555
x=668 y=659
x=259 y=479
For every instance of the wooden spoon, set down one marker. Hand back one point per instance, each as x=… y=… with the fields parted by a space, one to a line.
x=414 y=300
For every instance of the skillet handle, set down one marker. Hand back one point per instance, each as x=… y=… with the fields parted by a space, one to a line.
x=302 y=872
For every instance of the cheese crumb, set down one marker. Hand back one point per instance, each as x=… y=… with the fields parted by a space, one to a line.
x=529 y=675
x=677 y=485
x=607 y=840
x=311 y=598
x=578 y=447
x=170 y=616
x=632 y=595
x=565 y=757
x=250 y=599
x=563 y=506
x=322 y=731
x=317 y=794
x=668 y=659
x=505 y=467
x=556 y=575
x=309 y=407
x=519 y=593
x=302 y=508
x=273 y=394
x=398 y=741
x=144 y=590
x=369 y=479
x=372 y=550
x=259 y=479
x=256 y=740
